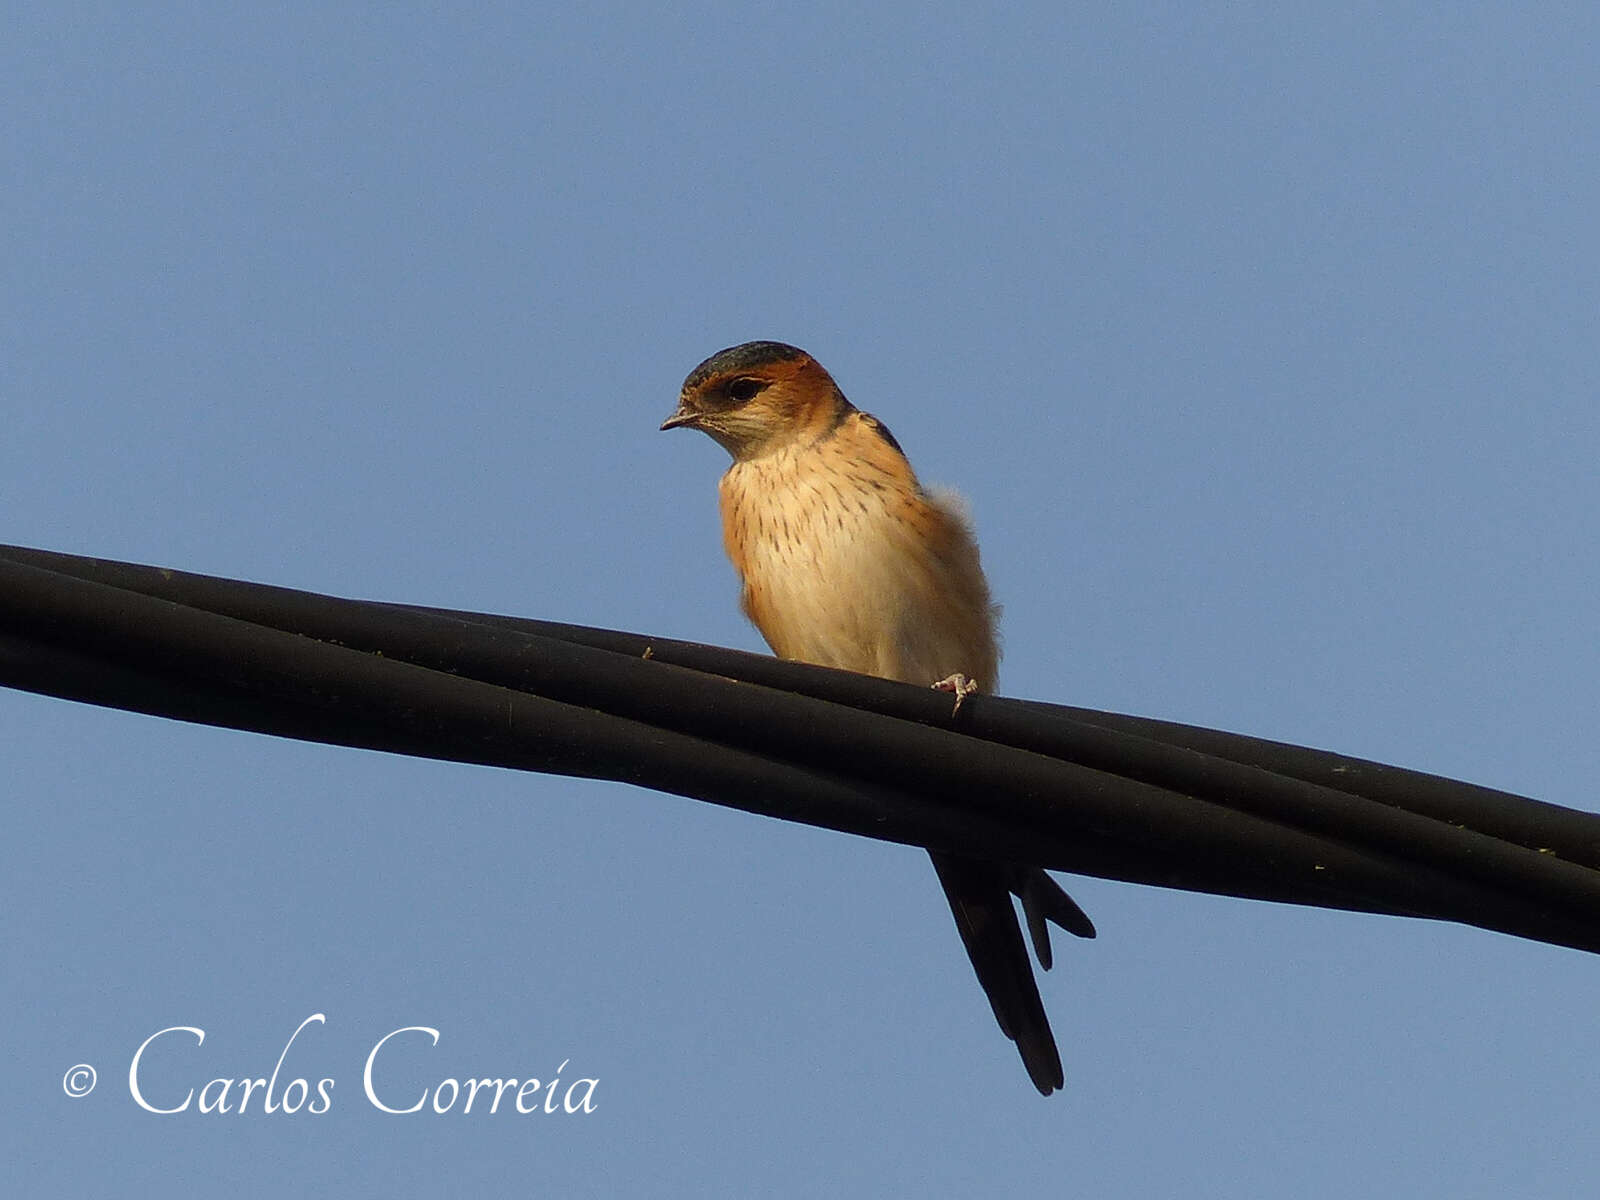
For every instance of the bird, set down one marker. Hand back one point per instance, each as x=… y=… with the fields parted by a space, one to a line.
x=845 y=560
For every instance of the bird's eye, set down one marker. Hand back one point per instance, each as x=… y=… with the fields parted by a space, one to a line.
x=741 y=391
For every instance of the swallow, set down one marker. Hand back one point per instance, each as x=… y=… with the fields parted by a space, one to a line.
x=846 y=561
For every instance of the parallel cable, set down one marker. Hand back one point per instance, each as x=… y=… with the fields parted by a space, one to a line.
x=1065 y=788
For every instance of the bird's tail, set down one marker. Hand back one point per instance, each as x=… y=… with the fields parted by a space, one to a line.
x=979 y=892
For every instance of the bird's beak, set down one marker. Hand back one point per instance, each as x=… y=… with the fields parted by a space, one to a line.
x=684 y=416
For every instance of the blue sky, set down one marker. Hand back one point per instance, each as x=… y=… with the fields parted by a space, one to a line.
x=1263 y=342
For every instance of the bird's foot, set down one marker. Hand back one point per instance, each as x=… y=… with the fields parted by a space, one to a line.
x=960 y=685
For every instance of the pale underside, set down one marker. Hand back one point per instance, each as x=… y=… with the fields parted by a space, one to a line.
x=847 y=567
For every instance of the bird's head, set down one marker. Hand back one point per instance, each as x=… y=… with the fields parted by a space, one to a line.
x=757 y=398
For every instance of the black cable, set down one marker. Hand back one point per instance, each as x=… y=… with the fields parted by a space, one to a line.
x=1072 y=789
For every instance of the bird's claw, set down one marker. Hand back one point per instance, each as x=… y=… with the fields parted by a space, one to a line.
x=960 y=685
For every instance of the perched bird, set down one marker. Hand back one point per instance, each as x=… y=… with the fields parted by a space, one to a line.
x=847 y=562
